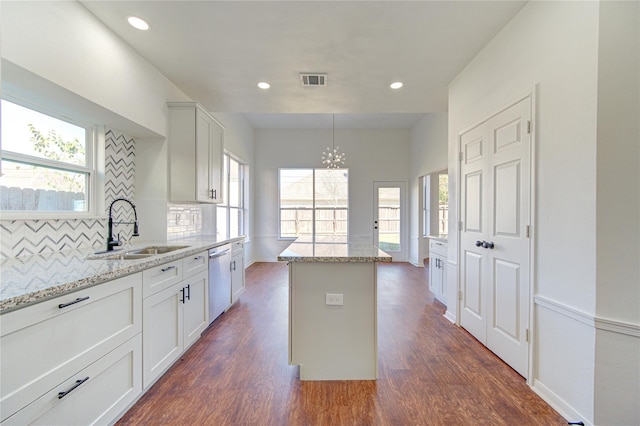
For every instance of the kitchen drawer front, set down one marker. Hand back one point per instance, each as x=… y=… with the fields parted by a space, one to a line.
x=194 y=264
x=438 y=247
x=237 y=247
x=160 y=277
x=46 y=343
x=114 y=382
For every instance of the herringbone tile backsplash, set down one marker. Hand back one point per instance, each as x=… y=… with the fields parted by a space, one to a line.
x=26 y=237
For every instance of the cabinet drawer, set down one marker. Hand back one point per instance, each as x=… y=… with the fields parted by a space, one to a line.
x=44 y=344
x=194 y=264
x=438 y=247
x=237 y=247
x=160 y=277
x=112 y=383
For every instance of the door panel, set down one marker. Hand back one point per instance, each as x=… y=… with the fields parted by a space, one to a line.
x=495 y=204
x=506 y=293
x=472 y=284
x=507 y=199
x=473 y=205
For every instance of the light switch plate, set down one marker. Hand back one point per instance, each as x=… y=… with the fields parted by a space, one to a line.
x=334 y=299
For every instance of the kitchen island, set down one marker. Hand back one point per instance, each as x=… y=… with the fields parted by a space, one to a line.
x=333 y=308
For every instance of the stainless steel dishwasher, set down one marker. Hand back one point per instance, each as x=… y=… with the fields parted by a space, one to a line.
x=219 y=280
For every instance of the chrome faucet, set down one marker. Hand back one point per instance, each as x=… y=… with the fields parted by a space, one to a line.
x=111 y=243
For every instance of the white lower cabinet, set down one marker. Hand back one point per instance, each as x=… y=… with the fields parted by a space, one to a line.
x=86 y=356
x=95 y=395
x=438 y=269
x=237 y=271
x=173 y=318
x=49 y=348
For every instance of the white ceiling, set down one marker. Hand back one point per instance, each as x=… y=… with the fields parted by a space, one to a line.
x=217 y=51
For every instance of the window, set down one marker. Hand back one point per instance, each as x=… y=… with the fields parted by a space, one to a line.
x=443 y=203
x=47 y=162
x=313 y=202
x=426 y=203
x=231 y=212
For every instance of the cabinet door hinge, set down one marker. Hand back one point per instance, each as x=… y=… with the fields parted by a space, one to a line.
x=529 y=127
x=459 y=294
x=528 y=232
x=460 y=156
x=526 y=334
x=460 y=226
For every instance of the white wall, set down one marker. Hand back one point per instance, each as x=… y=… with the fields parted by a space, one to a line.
x=428 y=154
x=372 y=155
x=68 y=46
x=551 y=46
x=618 y=215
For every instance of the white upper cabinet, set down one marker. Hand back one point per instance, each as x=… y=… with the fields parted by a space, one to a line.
x=196 y=143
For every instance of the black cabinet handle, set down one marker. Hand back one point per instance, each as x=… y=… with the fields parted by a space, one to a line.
x=78 y=300
x=168 y=268
x=234 y=265
x=214 y=194
x=188 y=291
x=72 y=388
x=182 y=295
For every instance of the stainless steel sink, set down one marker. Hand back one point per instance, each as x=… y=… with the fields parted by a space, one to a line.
x=124 y=256
x=135 y=254
x=157 y=249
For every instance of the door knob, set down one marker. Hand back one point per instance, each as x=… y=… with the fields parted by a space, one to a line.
x=488 y=245
x=479 y=243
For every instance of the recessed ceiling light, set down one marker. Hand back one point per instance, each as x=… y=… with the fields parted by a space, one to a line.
x=264 y=85
x=138 y=23
x=396 y=85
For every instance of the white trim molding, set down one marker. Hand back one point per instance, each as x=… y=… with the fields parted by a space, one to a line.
x=620 y=327
x=607 y=324
x=557 y=403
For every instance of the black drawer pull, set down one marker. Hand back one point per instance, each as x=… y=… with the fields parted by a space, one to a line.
x=198 y=258
x=168 y=268
x=76 y=384
x=78 y=300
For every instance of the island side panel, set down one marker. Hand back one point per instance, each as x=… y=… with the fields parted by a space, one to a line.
x=333 y=342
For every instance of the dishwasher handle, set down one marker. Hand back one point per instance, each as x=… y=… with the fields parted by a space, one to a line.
x=218 y=254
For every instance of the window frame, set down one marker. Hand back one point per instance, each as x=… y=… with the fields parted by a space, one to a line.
x=313 y=209
x=93 y=168
x=225 y=204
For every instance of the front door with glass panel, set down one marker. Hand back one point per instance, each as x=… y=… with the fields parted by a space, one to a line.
x=389 y=221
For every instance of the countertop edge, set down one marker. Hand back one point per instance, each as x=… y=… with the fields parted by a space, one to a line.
x=122 y=269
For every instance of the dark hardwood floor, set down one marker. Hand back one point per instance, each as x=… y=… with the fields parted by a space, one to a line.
x=430 y=371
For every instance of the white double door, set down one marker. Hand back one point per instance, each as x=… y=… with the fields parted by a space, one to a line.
x=494 y=242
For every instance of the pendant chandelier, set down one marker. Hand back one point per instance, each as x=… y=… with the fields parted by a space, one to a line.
x=332 y=158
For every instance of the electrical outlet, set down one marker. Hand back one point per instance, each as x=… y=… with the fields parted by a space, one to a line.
x=334 y=299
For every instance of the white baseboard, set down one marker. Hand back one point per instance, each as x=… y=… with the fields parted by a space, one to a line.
x=559 y=404
x=448 y=315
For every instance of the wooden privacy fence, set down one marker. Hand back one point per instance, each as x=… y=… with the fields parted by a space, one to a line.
x=295 y=222
x=17 y=199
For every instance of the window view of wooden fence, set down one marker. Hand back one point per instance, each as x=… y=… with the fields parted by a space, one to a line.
x=297 y=222
x=27 y=199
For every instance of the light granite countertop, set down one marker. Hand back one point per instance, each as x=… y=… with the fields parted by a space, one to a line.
x=331 y=249
x=31 y=279
x=441 y=237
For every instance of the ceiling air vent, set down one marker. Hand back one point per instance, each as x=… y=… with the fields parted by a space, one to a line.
x=316 y=79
